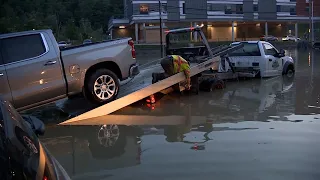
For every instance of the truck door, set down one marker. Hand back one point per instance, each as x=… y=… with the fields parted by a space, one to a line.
x=274 y=64
x=4 y=85
x=34 y=73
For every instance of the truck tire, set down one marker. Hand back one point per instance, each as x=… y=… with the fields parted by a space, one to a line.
x=289 y=71
x=102 y=87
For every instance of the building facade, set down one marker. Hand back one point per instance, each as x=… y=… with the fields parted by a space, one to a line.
x=223 y=20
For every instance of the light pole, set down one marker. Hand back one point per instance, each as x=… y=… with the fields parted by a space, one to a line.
x=312 y=22
x=311 y=35
x=160 y=19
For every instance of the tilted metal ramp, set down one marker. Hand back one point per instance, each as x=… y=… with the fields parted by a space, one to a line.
x=149 y=90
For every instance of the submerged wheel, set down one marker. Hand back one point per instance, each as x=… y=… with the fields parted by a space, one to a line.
x=220 y=84
x=103 y=86
x=290 y=71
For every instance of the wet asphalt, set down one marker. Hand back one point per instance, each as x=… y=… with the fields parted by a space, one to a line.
x=253 y=129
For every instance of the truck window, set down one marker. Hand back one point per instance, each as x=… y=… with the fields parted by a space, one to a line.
x=248 y=49
x=22 y=47
x=269 y=50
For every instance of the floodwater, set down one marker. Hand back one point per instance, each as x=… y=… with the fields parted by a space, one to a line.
x=253 y=129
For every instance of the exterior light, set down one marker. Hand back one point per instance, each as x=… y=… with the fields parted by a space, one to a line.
x=258 y=25
x=209 y=25
x=122 y=27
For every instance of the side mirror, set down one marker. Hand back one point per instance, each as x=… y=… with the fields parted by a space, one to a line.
x=280 y=54
x=36 y=124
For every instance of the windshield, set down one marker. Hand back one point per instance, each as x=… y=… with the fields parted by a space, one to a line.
x=184 y=39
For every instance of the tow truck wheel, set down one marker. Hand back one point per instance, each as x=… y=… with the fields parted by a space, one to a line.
x=289 y=72
x=220 y=84
x=103 y=86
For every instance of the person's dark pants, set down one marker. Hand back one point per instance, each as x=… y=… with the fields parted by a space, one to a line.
x=167 y=66
x=158 y=77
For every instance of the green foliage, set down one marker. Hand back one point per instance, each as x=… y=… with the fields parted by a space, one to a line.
x=73 y=20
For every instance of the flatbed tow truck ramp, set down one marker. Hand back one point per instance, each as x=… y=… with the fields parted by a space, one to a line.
x=209 y=59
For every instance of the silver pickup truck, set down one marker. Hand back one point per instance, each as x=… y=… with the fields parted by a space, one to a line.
x=34 y=71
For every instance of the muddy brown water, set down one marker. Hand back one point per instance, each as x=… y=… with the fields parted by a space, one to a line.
x=253 y=129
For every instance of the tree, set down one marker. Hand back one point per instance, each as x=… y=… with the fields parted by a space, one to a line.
x=72 y=19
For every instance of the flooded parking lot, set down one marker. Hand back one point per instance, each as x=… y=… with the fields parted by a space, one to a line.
x=253 y=129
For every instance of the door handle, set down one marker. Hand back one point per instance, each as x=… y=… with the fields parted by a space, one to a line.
x=270 y=59
x=50 y=63
x=1 y=74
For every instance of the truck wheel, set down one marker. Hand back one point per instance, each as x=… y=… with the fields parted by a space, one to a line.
x=219 y=84
x=289 y=72
x=103 y=86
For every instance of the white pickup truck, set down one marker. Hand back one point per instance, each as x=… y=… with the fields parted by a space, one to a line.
x=261 y=59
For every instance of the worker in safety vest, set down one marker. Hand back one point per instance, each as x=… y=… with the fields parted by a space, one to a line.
x=171 y=65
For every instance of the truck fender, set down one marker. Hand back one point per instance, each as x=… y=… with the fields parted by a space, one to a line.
x=286 y=66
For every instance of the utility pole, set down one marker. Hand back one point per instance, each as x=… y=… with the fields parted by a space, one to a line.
x=310 y=20
x=160 y=19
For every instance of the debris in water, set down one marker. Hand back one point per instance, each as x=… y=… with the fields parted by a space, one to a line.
x=198 y=147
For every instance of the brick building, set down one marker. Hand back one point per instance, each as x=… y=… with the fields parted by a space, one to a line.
x=223 y=20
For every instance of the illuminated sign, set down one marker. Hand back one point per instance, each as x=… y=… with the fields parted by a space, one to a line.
x=144 y=9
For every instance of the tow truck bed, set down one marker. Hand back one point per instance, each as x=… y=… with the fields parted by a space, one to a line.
x=148 y=89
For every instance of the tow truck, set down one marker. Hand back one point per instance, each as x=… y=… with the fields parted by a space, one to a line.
x=209 y=64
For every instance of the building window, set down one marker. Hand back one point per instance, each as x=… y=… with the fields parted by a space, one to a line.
x=228 y=9
x=255 y=8
x=293 y=11
x=307 y=9
x=239 y=9
x=183 y=8
x=278 y=8
x=144 y=9
x=209 y=7
x=164 y=8
x=215 y=7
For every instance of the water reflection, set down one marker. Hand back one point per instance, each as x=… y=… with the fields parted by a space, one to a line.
x=252 y=113
x=83 y=150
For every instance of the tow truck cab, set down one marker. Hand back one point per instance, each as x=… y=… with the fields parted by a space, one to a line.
x=261 y=58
